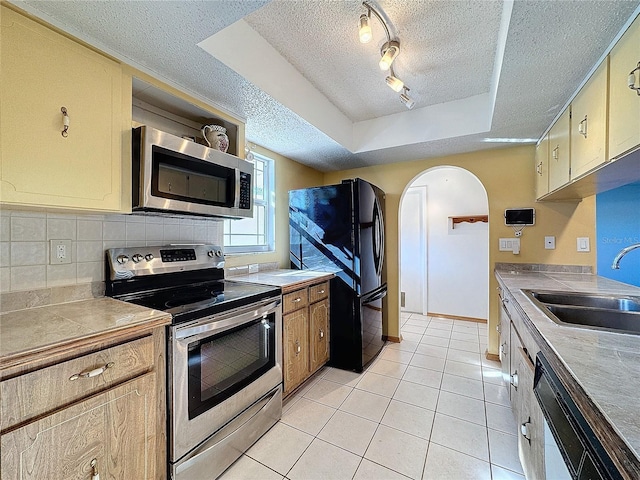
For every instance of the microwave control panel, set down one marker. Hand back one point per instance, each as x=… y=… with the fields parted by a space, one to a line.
x=245 y=191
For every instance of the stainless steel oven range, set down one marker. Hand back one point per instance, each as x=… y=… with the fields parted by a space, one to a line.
x=224 y=351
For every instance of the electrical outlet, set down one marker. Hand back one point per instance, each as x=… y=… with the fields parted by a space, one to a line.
x=253 y=268
x=550 y=243
x=60 y=252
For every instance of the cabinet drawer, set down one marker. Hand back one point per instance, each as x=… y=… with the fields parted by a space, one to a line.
x=318 y=292
x=42 y=391
x=294 y=300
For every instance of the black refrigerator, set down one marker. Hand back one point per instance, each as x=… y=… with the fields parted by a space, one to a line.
x=340 y=229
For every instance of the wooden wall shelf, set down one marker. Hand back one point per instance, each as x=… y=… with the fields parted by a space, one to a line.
x=468 y=219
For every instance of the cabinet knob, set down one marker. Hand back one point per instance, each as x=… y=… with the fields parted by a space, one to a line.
x=555 y=153
x=525 y=431
x=321 y=333
x=65 y=122
x=514 y=379
x=298 y=348
x=582 y=127
x=94 y=469
x=296 y=300
x=91 y=373
x=321 y=292
x=631 y=80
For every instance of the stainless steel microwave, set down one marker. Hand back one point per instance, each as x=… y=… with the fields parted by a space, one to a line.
x=176 y=175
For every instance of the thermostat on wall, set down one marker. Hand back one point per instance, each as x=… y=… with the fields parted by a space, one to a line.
x=520 y=216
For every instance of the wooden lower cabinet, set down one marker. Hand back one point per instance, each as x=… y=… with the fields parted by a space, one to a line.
x=114 y=430
x=318 y=334
x=296 y=348
x=305 y=326
x=65 y=418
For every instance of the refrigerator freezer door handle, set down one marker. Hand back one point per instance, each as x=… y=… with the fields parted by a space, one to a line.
x=374 y=295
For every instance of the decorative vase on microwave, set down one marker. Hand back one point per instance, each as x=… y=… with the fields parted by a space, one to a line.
x=216 y=137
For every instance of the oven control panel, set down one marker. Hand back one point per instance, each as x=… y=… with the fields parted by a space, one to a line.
x=132 y=262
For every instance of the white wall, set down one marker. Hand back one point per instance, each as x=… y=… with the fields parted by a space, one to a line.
x=457 y=258
x=413 y=250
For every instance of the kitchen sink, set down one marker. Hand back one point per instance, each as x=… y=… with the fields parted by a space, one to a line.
x=609 y=302
x=620 y=313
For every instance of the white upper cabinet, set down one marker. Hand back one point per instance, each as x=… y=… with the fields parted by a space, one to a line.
x=45 y=74
x=624 y=102
x=589 y=123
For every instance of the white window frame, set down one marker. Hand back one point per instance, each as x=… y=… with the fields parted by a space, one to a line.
x=268 y=202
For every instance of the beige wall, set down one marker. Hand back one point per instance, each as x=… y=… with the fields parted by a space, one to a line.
x=289 y=175
x=508 y=177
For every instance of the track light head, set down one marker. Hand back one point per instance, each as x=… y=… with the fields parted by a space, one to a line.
x=406 y=99
x=364 y=30
x=394 y=82
x=389 y=52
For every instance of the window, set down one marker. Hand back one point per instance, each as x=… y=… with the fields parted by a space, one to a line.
x=255 y=234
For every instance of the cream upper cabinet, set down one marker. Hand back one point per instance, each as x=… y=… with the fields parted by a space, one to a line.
x=43 y=73
x=542 y=167
x=589 y=123
x=559 y=153
x=624 y=103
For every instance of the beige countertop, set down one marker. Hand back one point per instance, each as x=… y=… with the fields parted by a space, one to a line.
x=37 y=332
x=287 y=280
x=605 y=365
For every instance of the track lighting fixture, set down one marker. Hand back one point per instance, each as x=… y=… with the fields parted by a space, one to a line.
x=394 y=82
x=406 y=99
x=388 y=53
x=364 y=32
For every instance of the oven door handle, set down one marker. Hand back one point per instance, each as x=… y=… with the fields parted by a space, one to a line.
x=219 y=323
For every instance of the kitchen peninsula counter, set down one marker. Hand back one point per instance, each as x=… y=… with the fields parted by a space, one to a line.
x=287 y=280
x=35 y=334
x=600 y=368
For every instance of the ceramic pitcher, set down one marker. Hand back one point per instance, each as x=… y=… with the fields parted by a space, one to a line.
x=216 y=137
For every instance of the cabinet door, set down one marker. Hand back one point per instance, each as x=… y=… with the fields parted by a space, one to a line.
x=624 y=103
x=559 y=159
x=116 y=428
x=530 y=420
x=295 y=328
x=504 y=330
x=319 y=334
x=41 y=72
x=589 y=123
x=542 y=167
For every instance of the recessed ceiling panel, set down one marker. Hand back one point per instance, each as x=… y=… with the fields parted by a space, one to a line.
x=447 y=50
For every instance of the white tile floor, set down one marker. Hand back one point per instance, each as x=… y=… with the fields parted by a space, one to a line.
x=431 y=407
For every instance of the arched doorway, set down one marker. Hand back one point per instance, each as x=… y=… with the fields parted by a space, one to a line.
x=444 y=266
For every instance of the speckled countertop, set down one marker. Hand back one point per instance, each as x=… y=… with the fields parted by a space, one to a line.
x=287 y=280
x=605 y=364
x=34 y=332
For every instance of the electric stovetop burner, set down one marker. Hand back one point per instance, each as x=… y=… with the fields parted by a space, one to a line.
x=186 y=281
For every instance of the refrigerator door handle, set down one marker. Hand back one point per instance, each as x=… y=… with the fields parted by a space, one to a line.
x=376 y=294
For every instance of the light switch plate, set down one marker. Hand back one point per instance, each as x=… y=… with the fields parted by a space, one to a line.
x=550 y=243
x=509 y=245
x=582 y=244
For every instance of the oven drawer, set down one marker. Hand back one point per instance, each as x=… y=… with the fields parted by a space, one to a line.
x=318 y=292
x=42 y=391
x=294 y=300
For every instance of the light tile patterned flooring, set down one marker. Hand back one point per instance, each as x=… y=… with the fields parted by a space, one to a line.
x=431 y=407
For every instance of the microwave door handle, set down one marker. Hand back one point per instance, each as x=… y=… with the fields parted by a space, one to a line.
x=236 y=200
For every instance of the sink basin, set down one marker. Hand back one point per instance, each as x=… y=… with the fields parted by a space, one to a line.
x=622 y=321
x=619 y=313
x=610 y=302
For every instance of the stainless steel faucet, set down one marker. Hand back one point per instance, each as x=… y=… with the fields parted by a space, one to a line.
x=622 y=253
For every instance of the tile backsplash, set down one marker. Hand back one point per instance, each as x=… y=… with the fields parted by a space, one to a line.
x=25 y=235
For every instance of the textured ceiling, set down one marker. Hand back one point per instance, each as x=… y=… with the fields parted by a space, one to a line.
x=448 y=53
